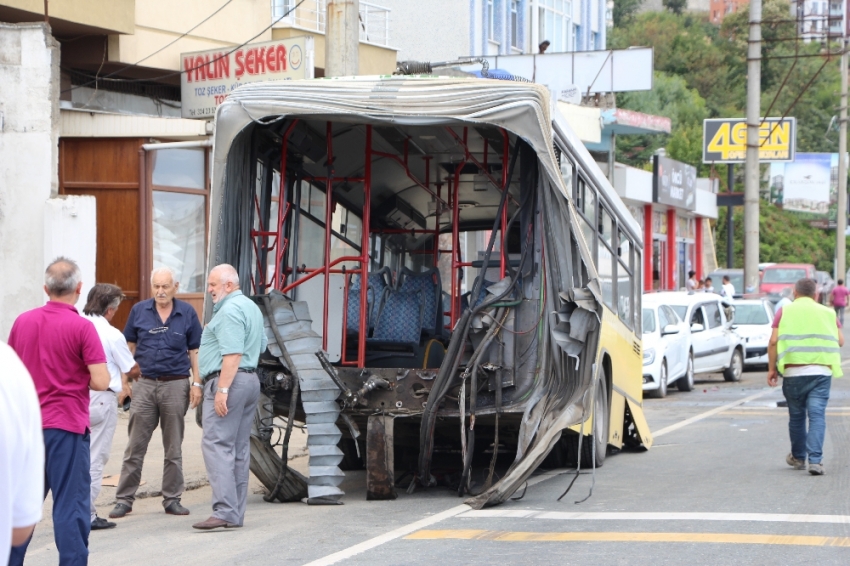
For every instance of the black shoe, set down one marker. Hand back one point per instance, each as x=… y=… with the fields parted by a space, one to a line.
x=174 y=508
x=100 y=523
x=120 y=510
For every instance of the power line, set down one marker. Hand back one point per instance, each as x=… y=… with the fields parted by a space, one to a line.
x=178 y=73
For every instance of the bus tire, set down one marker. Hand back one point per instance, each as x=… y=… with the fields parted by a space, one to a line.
x=600 y=428
x=265 y=465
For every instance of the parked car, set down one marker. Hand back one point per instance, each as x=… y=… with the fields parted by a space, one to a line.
x=715 y=344
x=753 y=320
x=825 y=286
x=667 y=356
x=780 y=276
x=736 y=278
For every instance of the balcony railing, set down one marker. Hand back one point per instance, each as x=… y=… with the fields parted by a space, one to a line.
x=312 y=16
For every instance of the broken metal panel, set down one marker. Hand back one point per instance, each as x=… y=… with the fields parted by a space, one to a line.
x=380 y=458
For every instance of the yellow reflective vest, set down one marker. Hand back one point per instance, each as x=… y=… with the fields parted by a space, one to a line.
x=808 y=334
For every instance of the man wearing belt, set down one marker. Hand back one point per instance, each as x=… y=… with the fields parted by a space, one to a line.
x=164 y=334
x=804 y=350
x=230 y=349
x=102 y=303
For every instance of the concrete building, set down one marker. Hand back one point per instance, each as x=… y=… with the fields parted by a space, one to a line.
x=819 y=20
x=90 y=106
x=719 y=9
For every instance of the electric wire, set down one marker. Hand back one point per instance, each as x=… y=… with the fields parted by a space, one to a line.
x=178 y=73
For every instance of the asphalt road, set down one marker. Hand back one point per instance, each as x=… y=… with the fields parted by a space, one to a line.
x=714 y=489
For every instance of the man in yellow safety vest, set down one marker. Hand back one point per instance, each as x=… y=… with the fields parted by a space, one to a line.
x=804 y=349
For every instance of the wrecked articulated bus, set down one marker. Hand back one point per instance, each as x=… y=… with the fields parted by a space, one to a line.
x=448 y=281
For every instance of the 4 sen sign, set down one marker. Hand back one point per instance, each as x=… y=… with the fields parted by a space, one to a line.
x=724 y=140
x=210 y=76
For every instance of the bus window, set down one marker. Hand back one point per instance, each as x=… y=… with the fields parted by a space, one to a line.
x=637 y=284
x=624 y=293
x=605 y=269
x=567 y=172
x=606 y=226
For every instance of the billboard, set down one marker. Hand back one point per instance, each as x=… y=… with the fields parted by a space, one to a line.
x=724 y=140
x=674 y=183
x=808 y=186
x=208 y=77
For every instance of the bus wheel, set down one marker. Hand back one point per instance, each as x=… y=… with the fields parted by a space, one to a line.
x=601 y=419
x=265 y=465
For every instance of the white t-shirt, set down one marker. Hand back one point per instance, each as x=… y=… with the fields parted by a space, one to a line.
x=118 y=357
x=728 y=290
x=21 y=450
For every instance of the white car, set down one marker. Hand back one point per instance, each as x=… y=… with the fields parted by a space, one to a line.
x=715 y=345
x=753 y=320
x=666 y=349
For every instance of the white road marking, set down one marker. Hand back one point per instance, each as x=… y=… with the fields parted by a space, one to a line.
x=619 y=516
x=714 y=411
x=418 y=525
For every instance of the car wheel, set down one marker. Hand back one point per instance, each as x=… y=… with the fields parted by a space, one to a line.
x=686 y=382
x=661 y=392
x=736 y=367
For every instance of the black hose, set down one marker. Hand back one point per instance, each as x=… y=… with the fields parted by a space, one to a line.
x=284 y=456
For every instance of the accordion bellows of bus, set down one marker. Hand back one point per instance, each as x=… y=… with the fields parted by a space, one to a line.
x=451 y=286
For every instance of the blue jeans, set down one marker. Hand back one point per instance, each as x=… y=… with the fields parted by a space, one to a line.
x=839 y=313
x=66 y=474
x=807 y=395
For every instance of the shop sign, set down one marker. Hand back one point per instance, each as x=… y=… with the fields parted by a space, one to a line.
x=724 y=140
x=674 y=183
x=208 y=77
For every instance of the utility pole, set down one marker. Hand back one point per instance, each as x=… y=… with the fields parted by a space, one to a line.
x=342 y=38
x=841 y=215
x=751 y=184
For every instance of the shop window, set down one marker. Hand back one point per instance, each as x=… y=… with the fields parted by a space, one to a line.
x=183 y=168
x=178 y=214
x=179 y=237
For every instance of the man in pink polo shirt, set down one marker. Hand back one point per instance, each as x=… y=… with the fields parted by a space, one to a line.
x=64 y=355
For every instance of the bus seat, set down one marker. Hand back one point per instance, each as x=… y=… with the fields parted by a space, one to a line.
x=400 y=318
x=379 y=282
x=429 y=284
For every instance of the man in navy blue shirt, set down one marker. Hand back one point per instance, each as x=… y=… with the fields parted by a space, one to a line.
x=164 y=335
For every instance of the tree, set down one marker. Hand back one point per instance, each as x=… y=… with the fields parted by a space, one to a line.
x=624 y=11
x=675 y=6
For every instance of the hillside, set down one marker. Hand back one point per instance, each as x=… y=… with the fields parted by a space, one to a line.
x=784 y=239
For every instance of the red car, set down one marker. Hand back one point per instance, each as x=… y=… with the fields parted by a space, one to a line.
x=781 y=276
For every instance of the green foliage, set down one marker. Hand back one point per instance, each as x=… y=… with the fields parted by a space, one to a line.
x=784 y=238
x=624 y=11
x=675 y=6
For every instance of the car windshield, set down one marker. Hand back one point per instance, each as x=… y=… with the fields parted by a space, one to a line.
x=751 y=314
x=783 y=275
x=648 y=321
x=680 y=310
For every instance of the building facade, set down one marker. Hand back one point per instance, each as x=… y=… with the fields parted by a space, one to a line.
x=108 y=125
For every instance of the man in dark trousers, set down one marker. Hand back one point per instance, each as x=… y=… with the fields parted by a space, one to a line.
x=64 y=356
x=805 y=350
x=164 y=334
x=230 y=349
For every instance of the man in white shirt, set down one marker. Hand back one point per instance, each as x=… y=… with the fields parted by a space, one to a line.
x=728 y=288
x=21 y=453
x=102 y=303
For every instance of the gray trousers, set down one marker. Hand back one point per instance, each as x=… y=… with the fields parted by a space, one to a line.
x=162 y=403
x=103 y=418
x=226 y=445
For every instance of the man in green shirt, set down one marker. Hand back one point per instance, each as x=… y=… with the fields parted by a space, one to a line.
x=230 y=348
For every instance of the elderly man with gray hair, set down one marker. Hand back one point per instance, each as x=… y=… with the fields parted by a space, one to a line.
x=230 y=349
x=101 y=305
x=164 y=334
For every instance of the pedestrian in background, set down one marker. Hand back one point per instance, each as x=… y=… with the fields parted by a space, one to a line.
x=65 y=358
x=839 y=300
x=727 y=287
x=786 y=297
x=708 y=287
x=21 y=454
x=691 y=284
x=164 y=334
x=101 y=305
x=804 y=350
x=230 y=349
